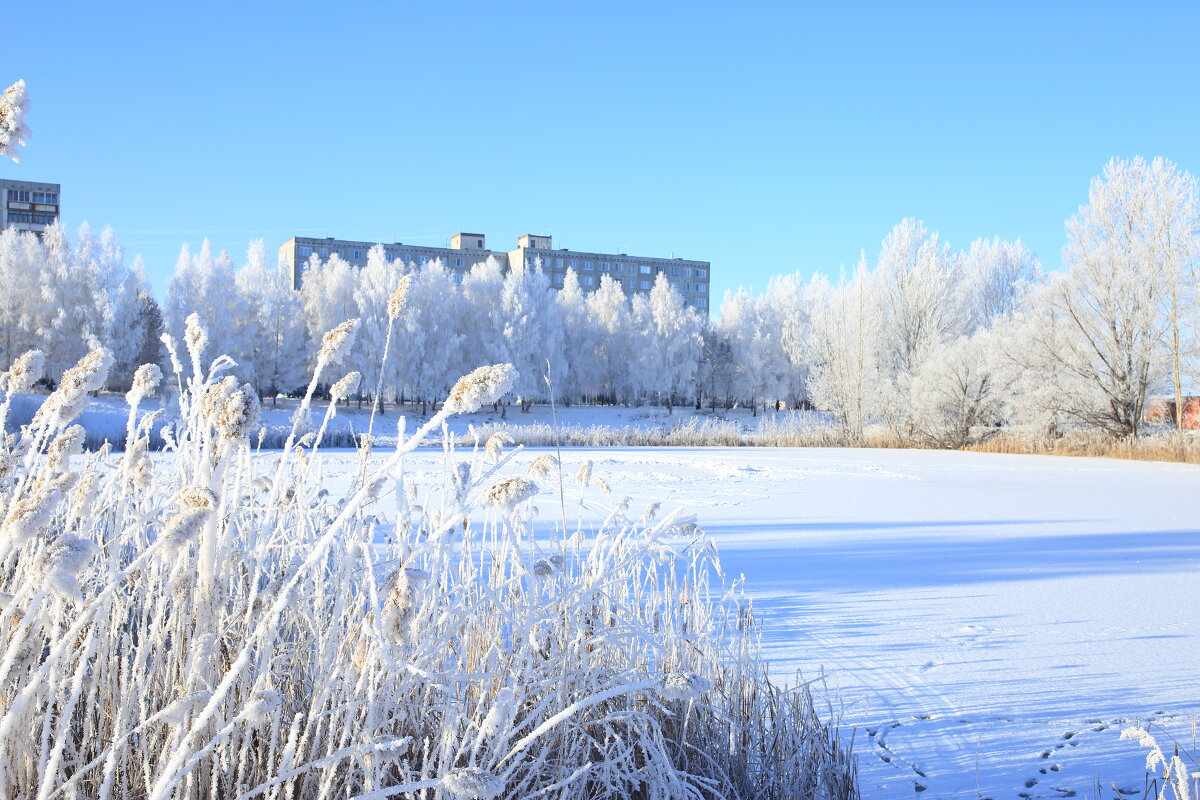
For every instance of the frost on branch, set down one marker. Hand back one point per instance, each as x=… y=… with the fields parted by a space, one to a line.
x=472 y=783
x=14 y=133
x=64 y=560
x=683 y=686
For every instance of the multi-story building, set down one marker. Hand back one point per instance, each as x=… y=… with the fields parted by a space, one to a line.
x=27 y=205
x=634 y=273
x=466 y=250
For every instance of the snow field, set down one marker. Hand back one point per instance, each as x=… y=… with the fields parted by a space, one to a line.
x=991 y=623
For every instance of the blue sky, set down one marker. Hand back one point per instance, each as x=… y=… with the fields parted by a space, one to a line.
x=764 y=137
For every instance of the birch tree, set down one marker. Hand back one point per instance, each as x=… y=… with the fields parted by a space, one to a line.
x=1120 y=300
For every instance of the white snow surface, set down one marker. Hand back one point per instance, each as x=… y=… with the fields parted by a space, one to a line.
x=988 y=623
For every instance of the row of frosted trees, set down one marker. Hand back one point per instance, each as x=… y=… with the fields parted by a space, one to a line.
x=601 y=346
x=943 y=347
x=932 y=344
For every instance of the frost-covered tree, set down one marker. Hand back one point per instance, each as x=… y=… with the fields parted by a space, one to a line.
x=128 y=322
x=483 y=325
x=1125 y=252
x=427 y=342
x=150 y=322
x=206 y=285
x=614 y=350
x=14 y=132
x=790 y=305
x=845 y=348
x=957 y=396
x=750 y=327
x=327 y=292
x=1036 y=389
x=273 y=327
x=575 y=374
x=21 y=257
x=284 y=342
x=75 y=296
x=921 y=300
x=72 y=299
x=717 y=370
x=670 y=342
x=532 y=331
x=376 y=282
x=997 y=275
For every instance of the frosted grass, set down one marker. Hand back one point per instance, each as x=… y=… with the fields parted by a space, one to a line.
x=193 y=627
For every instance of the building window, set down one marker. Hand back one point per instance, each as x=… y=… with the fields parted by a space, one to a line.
x=457 y=262
x=701 y=302
x=645 y=270
x=701 y=287
x=674 y=272
x=558 y=279
x=700 y=273
x=588 y=280
x=617 y=267
x=571 y=263
x=324 y=252
x=304 y=250
x=458 y=277
x=558 y=263
x=18 y=195
x=480 y=245
x=587 y=265
x=687 y=272
x=645 y=284
x=31 y=217
x=45 y=197
x=687 y=287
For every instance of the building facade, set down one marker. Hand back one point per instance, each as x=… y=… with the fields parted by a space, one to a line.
x=636 y=274
x=29 y=205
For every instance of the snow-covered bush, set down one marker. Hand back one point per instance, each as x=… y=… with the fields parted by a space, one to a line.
x=211 y=623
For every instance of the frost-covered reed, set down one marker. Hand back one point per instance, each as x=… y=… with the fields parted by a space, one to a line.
x=213 y=624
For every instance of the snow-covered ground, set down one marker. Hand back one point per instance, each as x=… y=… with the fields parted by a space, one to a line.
x=990 y=622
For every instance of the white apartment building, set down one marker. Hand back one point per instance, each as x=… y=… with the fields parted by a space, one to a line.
x=635 y=273
x=28 y=205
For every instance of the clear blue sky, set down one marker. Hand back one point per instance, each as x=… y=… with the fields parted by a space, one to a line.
x=764 y=137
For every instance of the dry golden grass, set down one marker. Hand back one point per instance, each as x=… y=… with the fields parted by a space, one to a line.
x=1177 y=448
